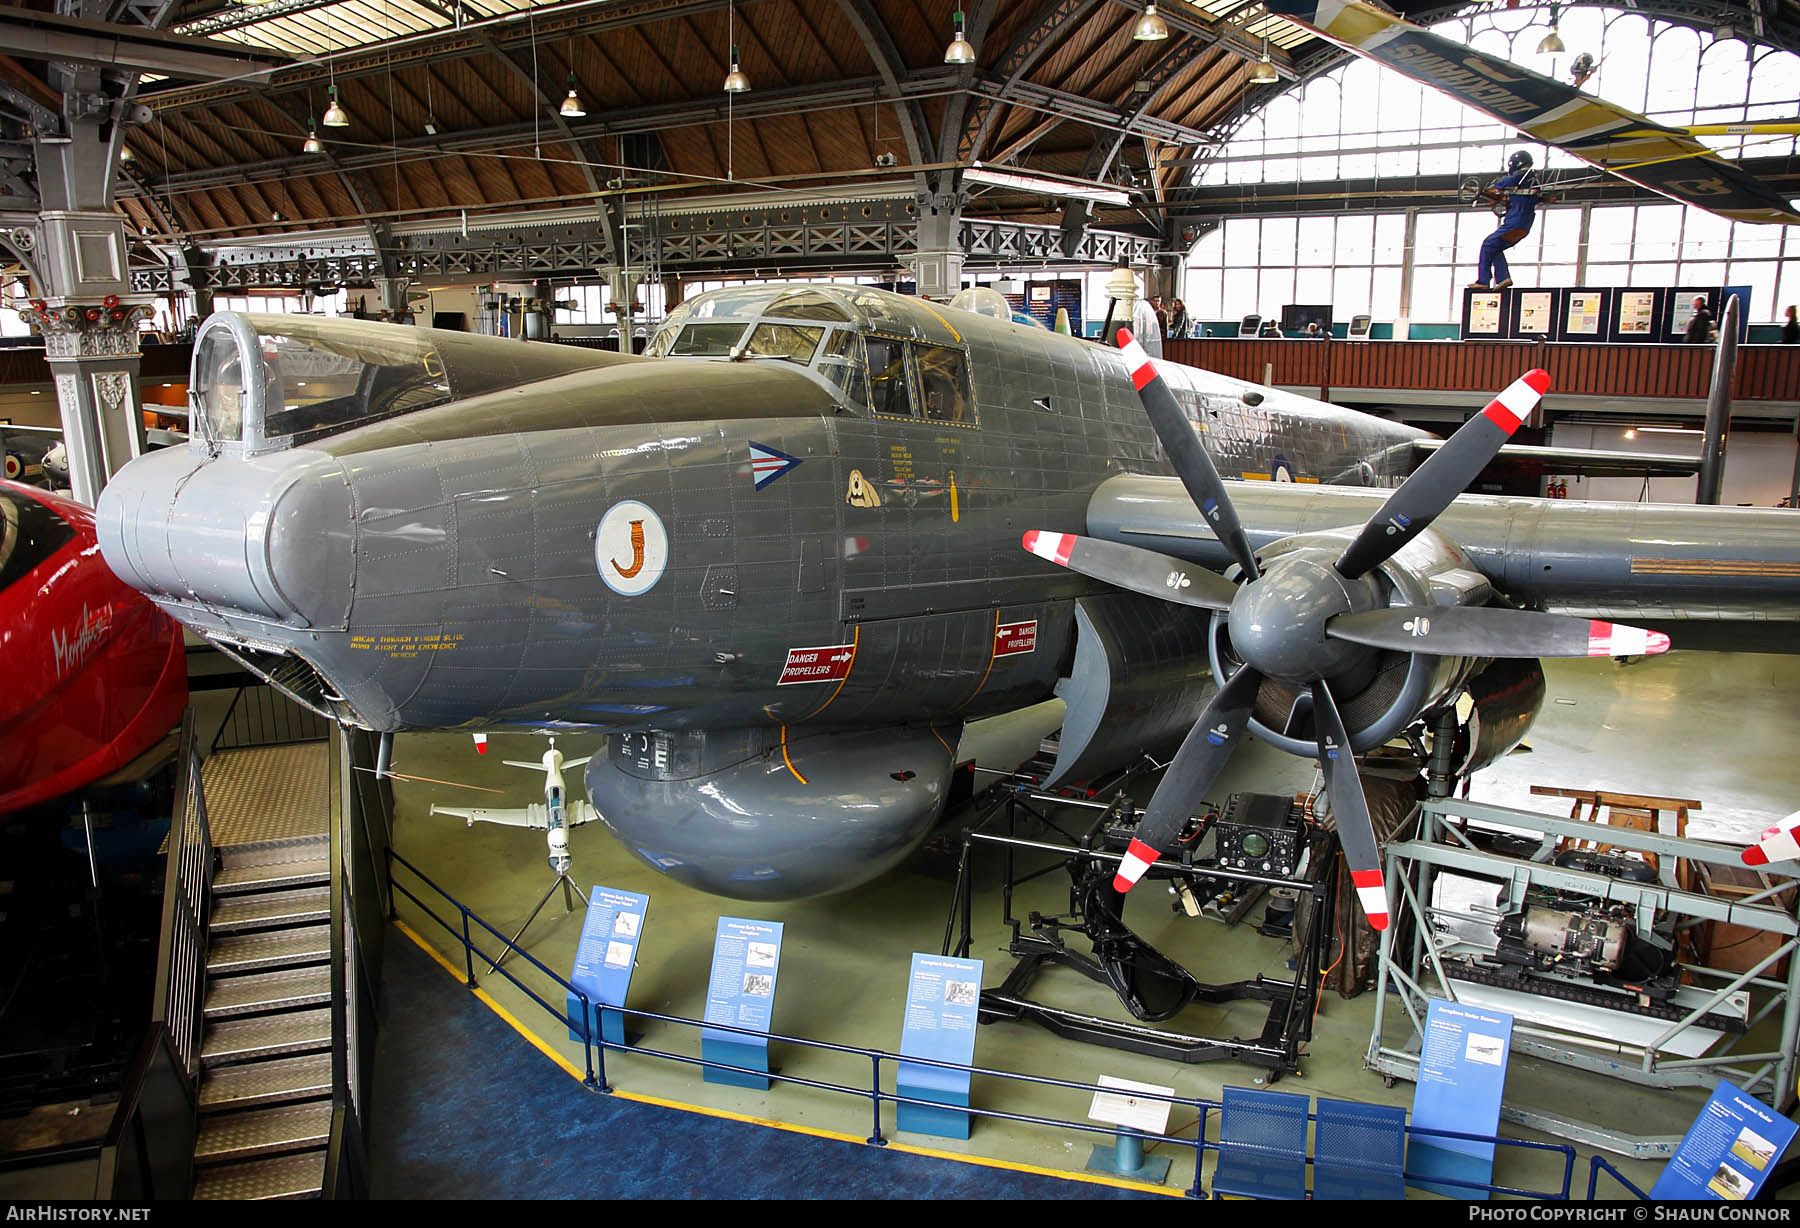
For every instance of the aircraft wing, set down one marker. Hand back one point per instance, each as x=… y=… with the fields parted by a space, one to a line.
x=1623 y=562
x=1587 y=462
x=1665 y=160
x=537 y=817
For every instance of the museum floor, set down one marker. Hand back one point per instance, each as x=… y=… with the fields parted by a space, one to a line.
x=1710 y=726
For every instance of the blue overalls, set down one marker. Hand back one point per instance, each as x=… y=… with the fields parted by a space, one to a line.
x=1521 y=212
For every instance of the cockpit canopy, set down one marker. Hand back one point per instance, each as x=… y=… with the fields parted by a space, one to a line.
x=879 y=353
x=261 y=383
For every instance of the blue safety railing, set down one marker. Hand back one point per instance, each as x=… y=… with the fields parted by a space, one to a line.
x=594 y=1051
x=1598 y=1163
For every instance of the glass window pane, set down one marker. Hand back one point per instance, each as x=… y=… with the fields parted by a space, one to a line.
x=1390 y=234
x=1278 y=236
x=1431 y=296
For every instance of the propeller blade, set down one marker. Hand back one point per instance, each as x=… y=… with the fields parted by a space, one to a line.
x=1192 y=465
x=1493 y=631
x=1135 y=569
x=1776 y=844
x=1445 y=474
x=1355 y=832
x=1191 y=773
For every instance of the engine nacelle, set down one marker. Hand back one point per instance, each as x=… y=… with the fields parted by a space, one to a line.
x=756 y=815
x=1379 y=693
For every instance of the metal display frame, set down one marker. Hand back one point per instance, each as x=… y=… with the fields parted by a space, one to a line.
x=1412 y=868
x=1290 y=1004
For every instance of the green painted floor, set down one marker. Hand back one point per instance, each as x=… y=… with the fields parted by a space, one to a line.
x=1716 y=727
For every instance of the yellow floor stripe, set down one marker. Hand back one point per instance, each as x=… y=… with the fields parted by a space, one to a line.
x=543 y=1047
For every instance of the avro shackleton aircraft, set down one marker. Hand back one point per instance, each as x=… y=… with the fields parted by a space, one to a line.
x=778 y=563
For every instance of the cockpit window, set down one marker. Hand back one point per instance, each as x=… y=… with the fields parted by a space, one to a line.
x=29 y=534
x=327 y=384
x=219 y=389
x=808 y=305
x=707 y=340
x=794 y=342
x=889 y=387
x=943 y=382
x=274 y=381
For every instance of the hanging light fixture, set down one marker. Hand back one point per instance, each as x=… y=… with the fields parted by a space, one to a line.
x=313 y=144
x=960 y=51
x=335 y=115
x=125 y=154
x=1264 y=73
x=1552 y=44
x=571 y=106
x=1150 y=28
x=735 y=80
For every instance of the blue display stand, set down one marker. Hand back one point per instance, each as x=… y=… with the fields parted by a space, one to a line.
x=604 y=960
x=943 y=998
x=1462 y=1078
x=1728 y=1151
x=741 y=994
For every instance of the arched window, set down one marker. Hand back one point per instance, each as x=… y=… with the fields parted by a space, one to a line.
x=1362 y=121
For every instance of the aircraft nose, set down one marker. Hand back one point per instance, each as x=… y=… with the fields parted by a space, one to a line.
x=266 y=537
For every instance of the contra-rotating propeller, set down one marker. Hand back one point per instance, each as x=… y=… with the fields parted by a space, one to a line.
x=1309 y=618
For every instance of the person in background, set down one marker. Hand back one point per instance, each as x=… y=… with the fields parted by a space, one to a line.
x=1519 y=188
x=1790 y=331
x=1315 y=333
x=1269 y=329
x=1700 y=328
x=1179 y=324
x=1162 y=316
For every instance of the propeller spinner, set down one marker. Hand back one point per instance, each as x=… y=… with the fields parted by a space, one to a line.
x=1311 y=618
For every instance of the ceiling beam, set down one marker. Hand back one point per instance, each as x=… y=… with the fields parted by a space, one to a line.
x=47 y=36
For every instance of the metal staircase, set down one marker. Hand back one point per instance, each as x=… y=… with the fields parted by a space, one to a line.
x=265 y=1051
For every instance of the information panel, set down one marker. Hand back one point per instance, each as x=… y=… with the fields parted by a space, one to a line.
x=605 y=957
x=1583 y=316
x=741 y=994
x=1728 y=1151
x=1462 y=1077
x=1535 y=313
x=943 y=998
x=1637 y=315
x=1485 y=314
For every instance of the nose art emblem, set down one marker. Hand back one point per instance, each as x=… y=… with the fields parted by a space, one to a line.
x=631 y=548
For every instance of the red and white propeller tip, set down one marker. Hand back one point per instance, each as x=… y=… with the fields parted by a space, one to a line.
x=1619 y=640
x=1516 y=401
x=1138 y=858
x=1046 y=545
x=480 y=743
x=1371 y=893
x=1778 y=843
x=1142 y=372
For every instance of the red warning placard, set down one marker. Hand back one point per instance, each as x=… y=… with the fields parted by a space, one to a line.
x=1011 y=639
x=827 y=664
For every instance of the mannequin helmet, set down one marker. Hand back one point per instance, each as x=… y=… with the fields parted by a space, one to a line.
x=1519 y=161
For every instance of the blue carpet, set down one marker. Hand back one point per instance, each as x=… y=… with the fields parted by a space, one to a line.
x=463 y=1107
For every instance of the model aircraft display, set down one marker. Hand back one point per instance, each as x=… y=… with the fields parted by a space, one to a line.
x=554 y=818
x=95 y=674
x=1668 y=161
x=779 y=576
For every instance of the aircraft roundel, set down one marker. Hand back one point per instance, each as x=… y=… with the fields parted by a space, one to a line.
x=1281 y=471
x=631 y=548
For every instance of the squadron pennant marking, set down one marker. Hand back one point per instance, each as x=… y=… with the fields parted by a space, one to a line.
x=767 y=464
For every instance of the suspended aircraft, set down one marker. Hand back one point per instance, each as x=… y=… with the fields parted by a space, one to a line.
x=776 y=565
x=95 y=675
x=1672 y=162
